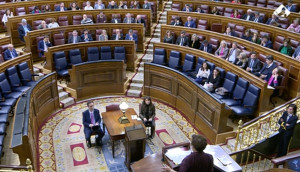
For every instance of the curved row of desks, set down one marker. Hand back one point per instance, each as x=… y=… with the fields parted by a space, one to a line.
x=225 y=21
x=130 y=53
x=289 y=63
x=243 y=7
x=31 y=37
x=263 y=103
x=12 y=24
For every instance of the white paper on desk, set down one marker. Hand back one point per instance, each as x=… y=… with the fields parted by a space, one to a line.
x=179 y=156
x=224 y=160
x=133 y=116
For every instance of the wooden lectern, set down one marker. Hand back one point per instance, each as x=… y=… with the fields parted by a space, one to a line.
x=134 y=143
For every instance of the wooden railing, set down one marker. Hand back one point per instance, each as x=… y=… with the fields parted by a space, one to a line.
x=28 y=167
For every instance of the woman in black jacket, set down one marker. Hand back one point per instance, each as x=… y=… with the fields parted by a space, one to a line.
x=147 y=114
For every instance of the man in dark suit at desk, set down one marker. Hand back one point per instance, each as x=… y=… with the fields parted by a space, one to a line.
x=146 y=5
x=176 y=22
x=190 y=23
x=254 y=64
x=140 y=20
x=266 y=42
x=86 y=37
x=91 y=121
x=272 y=20
x=290 y=6
x=131 y=36
x=296 y=54
x=266 y=72
x=117 y=35
x=128 y=19
x=61 y=7
x=248 y=16
x=43 y=46
x=74 y=38
x=10 y=53
x=257 y=18
x=183 y=40
x=205 y=46
x=23 y=29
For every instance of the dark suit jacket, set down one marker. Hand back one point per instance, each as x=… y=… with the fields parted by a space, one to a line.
x=292 y=123
x=86 y=119
x=297 y=51
x=249 y=38
x=246 y=15
x=58 y=9
x=89 y=38
x=147 y=6
x=190 y=9
x=195 y=45
x=112 y=7
x=126 y=19
x=7 y=55
x=256 y=65
x=21 y=32
x=135 y=38
x=186 y=41
x=101 y=20
x=142 y=21
x=269 y=44
x=267 y=71
x=209 y=48
x=260 y=19
x=114 y=37
x=270 y=19
x=176 y=24
x=232 y=33
x=113 y=20
x=292 y=8
x=192 y=24
x=41 y=47
x=215 y=81
x=71 y=39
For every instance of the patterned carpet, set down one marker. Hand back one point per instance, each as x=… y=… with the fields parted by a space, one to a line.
x=62 y=145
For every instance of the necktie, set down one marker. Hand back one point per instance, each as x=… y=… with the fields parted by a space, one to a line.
x=12 y=54
x=288 y=117
x=74 y=40
x=256 y=19
x=117 y=37
x=92 y=117
x=116 y=21
x=128 y=20
x=251 y=63
x=205 y=49
x=181 y=42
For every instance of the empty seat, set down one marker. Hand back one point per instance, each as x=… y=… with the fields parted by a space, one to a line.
x=228 y=12
x=270 y=4
x=211 y=66
x=63 y=20
x=249 y=103
x=77 y=19
x=238 y=93
x=239 y=30
x=188 y=64
x=214 y=43
x=159 y=56
x=7 y=102
x=120 y=54
x=75 y=56
x=251 y=2
x=25 y=74
x=105 y=53
x=20 y=11
x=58 y=55
x=228 y=84
x=36 y=24
x=61 y=67
x=6 y=88
x=278 y=42
x=216 y=27
x=93 y=54
x=174 y=59
x=284 y=22
x=202 y=24
x=261 y=3
x=113 y=107
x=58 y=39
x=14 y=80
x=200 y=61
x=176 y=7
x=205 y=8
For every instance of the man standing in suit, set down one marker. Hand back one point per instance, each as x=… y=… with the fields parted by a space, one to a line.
x=290 y=6
x=287 y=124
x=248 y=16
x=183 y=40
x=146 y=5
x=91 y=121
x=74 y=38
x=140 y=20
x=23 y=29
x=43 y=46
x=117 y=35
x=128 y=19
x=86 y=37
x=10 y=53
x=61 y=7
x=257 y=18
x=190 y=23
x=296 y=54
x=131 y=36
x=266 y=42
x=266 y=72
x=254 y=64
x=234 y=52
x=205 y=46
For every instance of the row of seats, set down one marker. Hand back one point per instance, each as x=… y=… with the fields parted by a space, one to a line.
x=13 y=83
x=93 y=54
x=242 y=97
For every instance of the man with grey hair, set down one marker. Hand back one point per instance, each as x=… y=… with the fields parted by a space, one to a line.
x=10 y=53
x=131 y=36
x=248 y=16
x=74 y=38
x=23 y=29
x=86 y=20
x=128 y=18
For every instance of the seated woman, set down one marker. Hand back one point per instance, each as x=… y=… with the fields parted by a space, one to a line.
x=73 y=6
x=103 y=36
x=286 y=48
x=229 y=31
x=247 y=35
x=6 y=15
x=203 y=73
x=122 y=5
x=36 y=10
x=213 y=81
x=295 y=26
x=46 y=9
x=215 y=11
x=195 y=42
x=242 y=61
x=255 y=38
x=235 y=14
x=135 y=5
x=147 y=114
x=275 y=80
x=169 y=38
x=53 y=23
x=222 y=51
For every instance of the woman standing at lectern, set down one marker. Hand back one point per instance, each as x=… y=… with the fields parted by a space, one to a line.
x=147 y=114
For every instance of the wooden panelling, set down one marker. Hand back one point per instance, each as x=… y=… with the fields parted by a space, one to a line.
x=15 y=61
x=5 y=40
x=31 y=42
x=289 y=63
x=189 y=99
x=91 y=79
x=12 y=24
x=129 y=50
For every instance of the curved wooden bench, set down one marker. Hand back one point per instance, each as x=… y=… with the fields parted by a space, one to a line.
x=12 y=24
x=31 y=37
x=83 y=46
x=289 y=63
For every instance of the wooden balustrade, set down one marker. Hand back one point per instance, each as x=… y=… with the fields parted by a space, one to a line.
x=129 y=51
x=12 y=24
x=292 y=65
x=15 y=61
x=31 y=37
x=5 y=40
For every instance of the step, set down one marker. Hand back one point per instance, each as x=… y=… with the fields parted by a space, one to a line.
x=68 y=101
x=148 y=57
x=138 y=78
x=36 y=78
x=162 y=22
x=36 y=70
x=168 y=6
x=136 y=86
x=155 y=40
x=63 y=95
x=156 y=35
x=60 y=89
x=149 y=51
x=158 y=26
x=163 y=17
x=134 y=93
x=150 y=46
x=141 y=69
x=157 y=30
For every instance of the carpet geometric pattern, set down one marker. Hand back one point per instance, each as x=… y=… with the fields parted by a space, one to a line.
x=62 y=144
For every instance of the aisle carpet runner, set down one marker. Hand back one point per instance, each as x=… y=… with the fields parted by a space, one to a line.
x=62 y=145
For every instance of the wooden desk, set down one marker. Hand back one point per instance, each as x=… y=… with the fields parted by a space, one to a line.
x=116 y=130
x=150 y=163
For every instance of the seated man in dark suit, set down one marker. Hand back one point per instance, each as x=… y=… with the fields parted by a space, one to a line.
x=115 y=20
x=230 y=32
x=139 y=19
x=117 y=35
x=205 y=46
x=273 y=19
x=176 y=22
x=91 y=120
x=296 y=54
x=74 y=38
x=43 y=46
x=266 y=42
x=254 y=64
x=266 y=72
x=257 y=18
x=10 y=53
x=86 y=37
x=199 y=10
x=183 y=40
x=128 y=19
x=187 y=8
x=248 y=16
x=61 y=7
x=146 y=5
x=290 y=6
x=112 y=5
x=131 y=36
x=23 y=29
x=190 y=23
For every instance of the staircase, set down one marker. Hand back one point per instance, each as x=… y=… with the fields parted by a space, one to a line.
x=137 y=81
x=65 y=98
